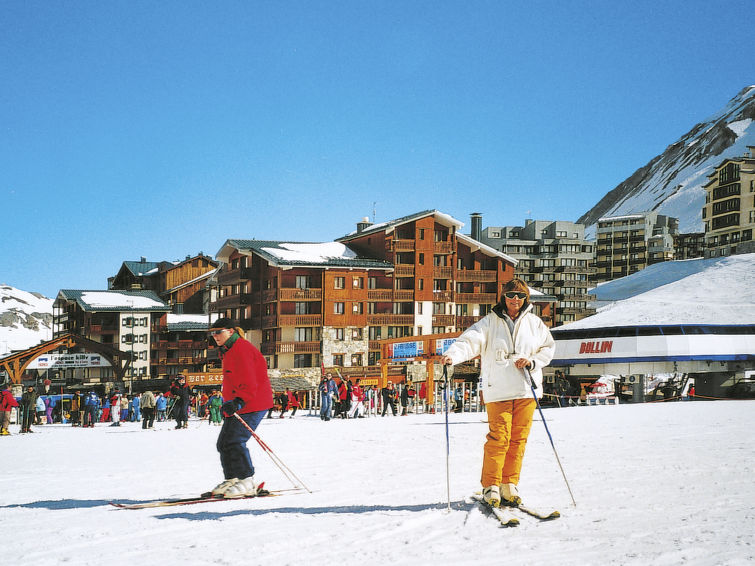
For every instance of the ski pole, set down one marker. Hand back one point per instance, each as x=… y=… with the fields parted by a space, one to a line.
x=531 y=383
x=448 y=450
x=274 y=457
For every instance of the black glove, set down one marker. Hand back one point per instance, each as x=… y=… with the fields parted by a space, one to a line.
x=232 y=406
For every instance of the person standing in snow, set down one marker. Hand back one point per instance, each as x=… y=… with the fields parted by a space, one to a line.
x=161 y=404
x=389 y=398
x=508 y=339
x=28 y=408
x=247 y=393
x=7 y=403
x=147 y=408
x=325 y=399
x=214 y=404
x=180 y=393
x=115 y=407
x=293 y=401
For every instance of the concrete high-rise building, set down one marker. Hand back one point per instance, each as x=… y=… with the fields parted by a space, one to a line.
x=626 y=244
x=553 y=257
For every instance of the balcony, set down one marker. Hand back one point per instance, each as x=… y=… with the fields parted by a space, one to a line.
x=382 y=295
x=297 y=347
x=463 y=322
x=475 y=276
x=403 y=245
x=477 y=298
x=390 y=319
x=300 y=320
x=443 y=248
x=404 y=271
x=300 y=294
x=440 y=272
x=444 y=320
x=374 y=345
x=443 y=296
x=230 y=276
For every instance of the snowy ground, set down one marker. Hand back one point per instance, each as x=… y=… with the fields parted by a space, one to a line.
x=655 y=484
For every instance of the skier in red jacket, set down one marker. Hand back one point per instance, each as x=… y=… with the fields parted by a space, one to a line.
x=247 y=392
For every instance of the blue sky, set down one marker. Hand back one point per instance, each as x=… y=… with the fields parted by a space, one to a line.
x=160 y=129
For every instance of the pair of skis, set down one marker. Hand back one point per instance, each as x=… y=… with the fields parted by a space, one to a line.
x=506 y=516
x=207 y=497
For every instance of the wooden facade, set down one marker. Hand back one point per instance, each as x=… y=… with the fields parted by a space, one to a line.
x=413 y=276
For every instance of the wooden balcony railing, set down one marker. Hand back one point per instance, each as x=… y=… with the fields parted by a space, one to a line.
x=474 y=276
x=403 y=245
x=444 y=320
x=297 y=347
x=478 y=298
x=443 y=247
x=443 y=296
x=300 y=320
x=390 y=319
x=440 y=272
x=404 y=271
x=300 y=294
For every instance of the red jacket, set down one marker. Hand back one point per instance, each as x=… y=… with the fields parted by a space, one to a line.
x=7 y=400
x=245 y=376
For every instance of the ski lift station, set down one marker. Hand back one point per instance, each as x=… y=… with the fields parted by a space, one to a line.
x=692 y=320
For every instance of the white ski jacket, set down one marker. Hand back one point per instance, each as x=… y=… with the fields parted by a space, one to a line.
x=491 y=339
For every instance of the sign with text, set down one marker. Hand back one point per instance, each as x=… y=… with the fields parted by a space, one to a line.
x=407 y=349
x=204 y=378
x=63 y=361
x=442 y=345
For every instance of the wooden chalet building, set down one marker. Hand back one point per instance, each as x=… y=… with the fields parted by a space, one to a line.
x=306 y=304
x=181 y=284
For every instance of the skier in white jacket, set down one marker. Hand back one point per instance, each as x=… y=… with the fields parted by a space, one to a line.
x=507 y=340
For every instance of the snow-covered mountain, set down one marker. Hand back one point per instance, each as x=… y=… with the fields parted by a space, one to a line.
x=672 y=183
x=25 y=319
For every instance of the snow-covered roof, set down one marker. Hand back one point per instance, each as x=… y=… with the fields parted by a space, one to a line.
x=114 y=300
x=302 y=254
x=476 y=244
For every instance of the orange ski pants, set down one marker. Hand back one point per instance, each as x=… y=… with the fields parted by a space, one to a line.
x=509 y=423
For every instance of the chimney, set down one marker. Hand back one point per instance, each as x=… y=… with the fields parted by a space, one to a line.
x=144 y=260
x=476 y=219
x=363 y=225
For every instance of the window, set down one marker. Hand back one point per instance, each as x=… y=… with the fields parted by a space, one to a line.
x=372 y=283
x=303 y=335
x=358 y=308
x=375 y=332
x=302 y=308
x=422 y=259
x=338 y=308
x=303 y=281
x=338 y=360
x=356 y=359
x=421 y=285
x=439 y=308
x=358 y=283
x=419 y=308
x=338 y=334
x=421 y=233
x=339 y=282
x=356 y=333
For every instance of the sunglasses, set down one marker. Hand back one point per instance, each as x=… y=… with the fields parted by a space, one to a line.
x=515 y=295
x=216 y=332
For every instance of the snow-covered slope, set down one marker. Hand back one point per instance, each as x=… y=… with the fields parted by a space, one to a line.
x=672 y=183
x=657 y=484
x=696 y=291
x=25 y=319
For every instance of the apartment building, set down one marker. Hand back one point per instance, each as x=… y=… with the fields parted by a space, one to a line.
x=627 y=244
x=306 y=304
x=729 y=211
x=121 y=319
x=689 y=245
x=553 y=257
